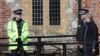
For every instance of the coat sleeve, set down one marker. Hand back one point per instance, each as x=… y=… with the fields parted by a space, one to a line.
x=10 y=31
x=95 y=34
x=25 y=32
x=80 y=34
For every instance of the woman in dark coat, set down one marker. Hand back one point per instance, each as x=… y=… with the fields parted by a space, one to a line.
x=89 y=34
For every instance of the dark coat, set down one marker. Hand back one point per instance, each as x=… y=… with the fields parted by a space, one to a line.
x=88 y=32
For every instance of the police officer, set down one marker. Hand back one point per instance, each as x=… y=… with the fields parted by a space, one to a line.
x=88 y=33
x=17 y=31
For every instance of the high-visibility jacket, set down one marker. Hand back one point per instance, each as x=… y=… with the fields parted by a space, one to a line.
x=12 y=33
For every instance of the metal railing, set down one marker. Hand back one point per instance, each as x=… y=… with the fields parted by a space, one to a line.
x=39 y=44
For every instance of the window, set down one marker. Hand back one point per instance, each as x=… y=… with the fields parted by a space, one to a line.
x=37 y=12
x=54 y=12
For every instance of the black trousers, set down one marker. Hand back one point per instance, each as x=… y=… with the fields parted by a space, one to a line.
x=86 y=51
x=17 y=53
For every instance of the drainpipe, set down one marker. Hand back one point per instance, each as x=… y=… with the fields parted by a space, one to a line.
x=79 y=7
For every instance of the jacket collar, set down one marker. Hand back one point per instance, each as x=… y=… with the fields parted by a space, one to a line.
x=14 y=19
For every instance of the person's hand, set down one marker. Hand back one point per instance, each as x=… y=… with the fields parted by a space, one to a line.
x=18 y=40
x=80 y=46
x=93 y=50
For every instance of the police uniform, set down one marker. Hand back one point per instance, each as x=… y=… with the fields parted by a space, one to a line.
x=17 y=31
x=88 y=33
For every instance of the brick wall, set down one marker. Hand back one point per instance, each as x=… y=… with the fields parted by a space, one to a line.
x=93 y=6
x=4 y=14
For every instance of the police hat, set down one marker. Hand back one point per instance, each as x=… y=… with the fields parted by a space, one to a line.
x=83 y=11
x=18 y=12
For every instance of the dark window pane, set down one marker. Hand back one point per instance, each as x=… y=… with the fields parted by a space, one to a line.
x=37 y=12
x=54 y=12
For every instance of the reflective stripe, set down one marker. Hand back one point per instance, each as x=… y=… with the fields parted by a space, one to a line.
x=13 y=38
x=24 y=31
x=11 y=30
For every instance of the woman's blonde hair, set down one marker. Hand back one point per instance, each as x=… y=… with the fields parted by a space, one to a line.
x=89 y=16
